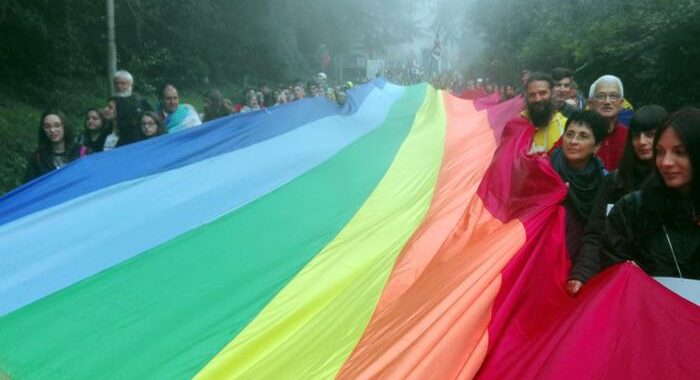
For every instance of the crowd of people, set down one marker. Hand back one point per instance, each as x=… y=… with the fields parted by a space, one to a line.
x=632 y=195
x=127 y=118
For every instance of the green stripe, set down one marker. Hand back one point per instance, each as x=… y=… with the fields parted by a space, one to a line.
x=167 y=312
x=309 y=329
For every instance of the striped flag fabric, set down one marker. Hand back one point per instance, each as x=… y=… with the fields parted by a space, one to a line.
x=404 y=235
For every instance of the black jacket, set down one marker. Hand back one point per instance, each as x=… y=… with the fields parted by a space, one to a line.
x=587 y=263
x=43 y=161
x=129 y=112
x=97 y=145
x=640 y=227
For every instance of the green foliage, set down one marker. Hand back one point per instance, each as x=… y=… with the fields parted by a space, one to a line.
x=18 y=126
x=652 y=45
x=53 y=53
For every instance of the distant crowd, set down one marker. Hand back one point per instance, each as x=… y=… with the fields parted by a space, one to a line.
x=128 y=117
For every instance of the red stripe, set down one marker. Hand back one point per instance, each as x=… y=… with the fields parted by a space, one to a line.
x=432 y=319
x=624 y=325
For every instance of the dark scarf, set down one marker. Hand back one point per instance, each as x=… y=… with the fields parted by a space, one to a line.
x=583 y=183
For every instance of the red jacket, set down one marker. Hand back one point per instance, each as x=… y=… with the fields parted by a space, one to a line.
x=613 y=145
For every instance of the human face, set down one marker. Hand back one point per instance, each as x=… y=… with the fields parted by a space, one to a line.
x=607 y=100
x=643 y=144
x=539 y=103
x=110 y=110
x=280 y=97
x=93 y=121
x=573 y=92
x=253 y=101
x=524 y=76
x=562 y=89
x=538 y=91
x=53 y=128
x=673 y=161
x=298 y=92
x=149 y=127
x=123 y=85
x=578 y=144
x=171 y=100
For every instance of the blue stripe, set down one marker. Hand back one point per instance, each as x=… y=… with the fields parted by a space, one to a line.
x=168 y=152
x=79 y=238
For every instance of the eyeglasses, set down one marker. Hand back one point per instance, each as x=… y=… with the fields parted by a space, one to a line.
x=601 y=96
x=50 y=126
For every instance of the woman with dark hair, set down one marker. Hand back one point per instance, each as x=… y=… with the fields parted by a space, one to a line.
x=658 y=227
x=214 y=106
x=95 y=130
x=636 y=167
x=581 y=170
x=110 y=112
x=636 y=164
x=151 y=125
x=56 y=145
x=128 y=112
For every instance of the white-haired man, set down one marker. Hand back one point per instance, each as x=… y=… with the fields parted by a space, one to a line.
x=129 y=107
x=123 y=88
x=606 y=97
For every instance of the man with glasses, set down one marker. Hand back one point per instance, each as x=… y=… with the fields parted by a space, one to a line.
x=606 y=97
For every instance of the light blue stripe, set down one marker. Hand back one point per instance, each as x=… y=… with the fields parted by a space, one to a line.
x=101 y=170
x=54 y=248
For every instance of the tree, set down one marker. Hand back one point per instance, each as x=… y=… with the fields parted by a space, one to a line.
x=648 y=43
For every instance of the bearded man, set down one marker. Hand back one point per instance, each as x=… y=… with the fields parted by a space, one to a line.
x=128 y=104
x=541 y=114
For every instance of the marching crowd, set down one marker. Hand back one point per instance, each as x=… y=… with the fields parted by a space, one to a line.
x=632 y=195
x=128 y=118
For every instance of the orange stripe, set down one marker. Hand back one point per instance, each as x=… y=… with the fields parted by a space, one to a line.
x=432 y=319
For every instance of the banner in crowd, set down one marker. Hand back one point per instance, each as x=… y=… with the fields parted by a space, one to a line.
x=403 y=235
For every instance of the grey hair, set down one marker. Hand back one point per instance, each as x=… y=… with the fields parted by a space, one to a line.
x=124 y=75
x=606 y=79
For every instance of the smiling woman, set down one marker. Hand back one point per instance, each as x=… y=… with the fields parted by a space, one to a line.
x=658 y=227
x=56 y=147
x=576 y=164
x=635 y=167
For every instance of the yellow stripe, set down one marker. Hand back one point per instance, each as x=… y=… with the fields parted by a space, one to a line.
x=310 y=328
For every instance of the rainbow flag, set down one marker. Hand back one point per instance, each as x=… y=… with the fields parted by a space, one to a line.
x=403 y=235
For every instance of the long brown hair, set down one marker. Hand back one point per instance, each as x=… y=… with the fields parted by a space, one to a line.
x=43 y=140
